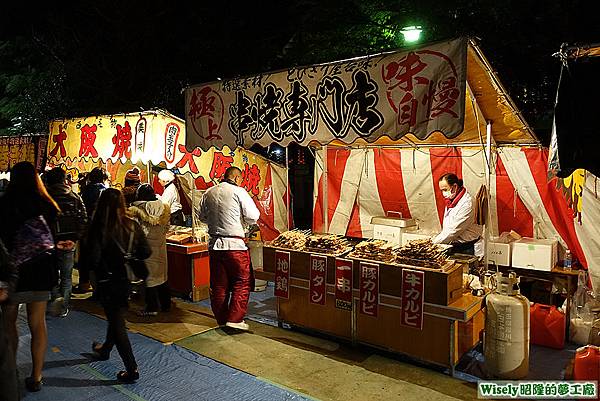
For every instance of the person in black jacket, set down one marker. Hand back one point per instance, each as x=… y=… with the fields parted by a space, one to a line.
x=90 y=193
x=26 y=199
x=69 y=229
x=8 y=364
x=110 y=234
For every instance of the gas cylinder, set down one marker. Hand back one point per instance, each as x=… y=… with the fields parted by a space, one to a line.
x=587 y=363
x=506 y=341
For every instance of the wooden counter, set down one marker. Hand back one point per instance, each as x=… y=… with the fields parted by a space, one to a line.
x=189 y=272
x=452 y=321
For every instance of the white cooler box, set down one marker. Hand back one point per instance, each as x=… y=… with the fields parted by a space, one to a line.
x=390 y=228
x=499 y=253
x=535 y=254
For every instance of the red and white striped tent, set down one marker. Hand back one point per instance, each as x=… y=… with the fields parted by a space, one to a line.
x=365 y=180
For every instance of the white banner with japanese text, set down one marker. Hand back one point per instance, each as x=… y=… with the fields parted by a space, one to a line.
x=418 y=91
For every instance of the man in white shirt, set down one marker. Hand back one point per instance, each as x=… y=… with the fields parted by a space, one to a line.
x=170 y=196
x=225 y=208
x=459 y=227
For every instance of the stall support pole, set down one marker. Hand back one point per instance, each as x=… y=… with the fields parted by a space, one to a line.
x=325 y=203
x=452 y=367
x=287 y=189
x=148 y=172
x=488 y=181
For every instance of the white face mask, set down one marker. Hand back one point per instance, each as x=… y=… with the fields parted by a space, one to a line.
x=447 y=194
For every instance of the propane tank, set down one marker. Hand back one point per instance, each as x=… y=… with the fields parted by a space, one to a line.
x=506 y=341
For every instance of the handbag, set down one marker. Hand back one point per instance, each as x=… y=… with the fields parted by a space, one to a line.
x=136 y=268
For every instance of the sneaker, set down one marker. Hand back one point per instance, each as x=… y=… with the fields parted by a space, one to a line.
x=32 y=385
x=57 y=307
x=260 y=285
x=145 y=313
x=128 y=377
x=240 y=325
x=81 y=289
x=99 y=353
x=65 y=312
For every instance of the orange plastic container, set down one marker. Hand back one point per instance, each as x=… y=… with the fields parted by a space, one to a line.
x=547 y=326
x=587 y=363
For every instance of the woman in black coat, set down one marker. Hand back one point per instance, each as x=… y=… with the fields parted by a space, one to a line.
x=109 y=236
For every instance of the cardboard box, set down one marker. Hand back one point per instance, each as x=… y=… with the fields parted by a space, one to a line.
x=535 y=254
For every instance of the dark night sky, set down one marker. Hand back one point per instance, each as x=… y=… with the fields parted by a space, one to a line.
x=109 y=56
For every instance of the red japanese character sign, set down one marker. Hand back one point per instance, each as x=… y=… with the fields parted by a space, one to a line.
x=59 y=140
x=282 y=274
x=122 y=141
x=413 y=289
x=88 y=138
x=418 y=96
x=220 y=163
x=188 y=158
x=318 y=279
x=171 y=137
x=343 y=284
x=369 y=289
x=206 y=112
x=251 y=178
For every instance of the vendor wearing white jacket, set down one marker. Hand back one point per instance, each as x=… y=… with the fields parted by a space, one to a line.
x=170 y=197
x=459 y=227
x=226 y=208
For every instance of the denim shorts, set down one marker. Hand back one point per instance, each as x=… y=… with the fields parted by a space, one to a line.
x=25 y=297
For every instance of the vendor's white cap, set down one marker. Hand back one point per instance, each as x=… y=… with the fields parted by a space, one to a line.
x=166 y=175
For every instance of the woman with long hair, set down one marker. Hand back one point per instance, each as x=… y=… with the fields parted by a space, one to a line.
x=153 y=216
x=111 y=235
x=24 y=202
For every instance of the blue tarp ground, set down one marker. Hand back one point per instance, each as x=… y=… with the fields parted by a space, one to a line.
x=167 y=372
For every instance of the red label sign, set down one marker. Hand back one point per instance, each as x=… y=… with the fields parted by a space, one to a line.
x=369 y=289
x=413 y=286
x=318 y=279
x=343 y=284
x=282 y=274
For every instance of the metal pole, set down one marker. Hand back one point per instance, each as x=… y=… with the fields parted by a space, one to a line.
x=287 y=192
x=488 y=173
x=324 y=182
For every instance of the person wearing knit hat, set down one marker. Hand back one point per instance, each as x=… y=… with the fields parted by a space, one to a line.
x=170 y=196
x=132 y=182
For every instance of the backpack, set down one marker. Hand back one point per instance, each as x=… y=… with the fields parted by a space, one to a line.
x=33 y=255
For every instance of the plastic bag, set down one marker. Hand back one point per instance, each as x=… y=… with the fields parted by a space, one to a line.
x=582 y=311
